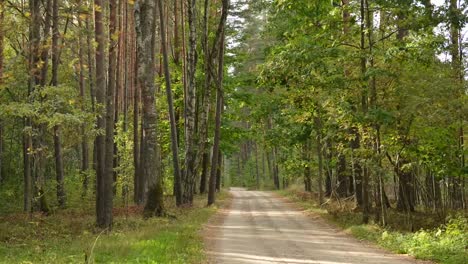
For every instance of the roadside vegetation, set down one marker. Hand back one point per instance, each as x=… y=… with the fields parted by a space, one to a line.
x=70 y=236
x=444 y=241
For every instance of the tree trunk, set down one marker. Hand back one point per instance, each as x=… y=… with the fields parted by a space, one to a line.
x=215 y=156
x=61 y=198
x=145 y=17
x=84 y=138
x=137 y=197
x=320 y=159
x=219 y=42
x=104 y=179
x=190 y=105
x=170 y=102
x=307 y=169
x=257 y=171
x=206 y=99
x=91 y=82
x=110 y=99
x=329 y=173
x=218 y=171
x=456 y=51
x=204 y=173
x=342 y=178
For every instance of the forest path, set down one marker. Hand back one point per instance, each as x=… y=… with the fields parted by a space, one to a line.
x=262 y=228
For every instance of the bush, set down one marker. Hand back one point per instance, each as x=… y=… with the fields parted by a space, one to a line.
x=447 y=244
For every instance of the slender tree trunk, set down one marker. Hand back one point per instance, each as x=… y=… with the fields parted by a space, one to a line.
x=177 y=49
x=307 y=169
x=275 y=168
x=104 y=179
x=84 y=138
x=364 y=105
x=57 y=142
x=190 y=108
x=320 y=159
x=217 y=138
x=27 y=136
x=206 y=100
x=456 y=51
x=329 y=175
x=136 y=142
x=172 y=120
x=91 y=83
x=204 y=173
x=34 y=42
x=218 y=171
x=110 y=100
x=219 y=42
x=257 y=172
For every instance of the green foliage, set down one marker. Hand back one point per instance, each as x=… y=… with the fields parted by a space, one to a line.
x=69 y=236
x=125 y=169
x=446 y=244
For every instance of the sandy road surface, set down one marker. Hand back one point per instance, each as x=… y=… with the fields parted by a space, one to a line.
x=261 y=228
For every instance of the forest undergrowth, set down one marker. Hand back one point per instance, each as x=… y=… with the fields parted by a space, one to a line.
x=71 y=236
x=429 y=237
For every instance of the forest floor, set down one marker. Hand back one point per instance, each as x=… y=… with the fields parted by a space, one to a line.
x=260 y=227
x=70 y=236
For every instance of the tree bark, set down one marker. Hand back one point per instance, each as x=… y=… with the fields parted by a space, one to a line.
x=217 y=137
x=136 y=142
x=110 y=99
x=320 y=159
x=104 y=179
x=219 y=42
x=61 y=197
x=190 y=105
x=145 y=22
x=91 y=83
x=84 y=138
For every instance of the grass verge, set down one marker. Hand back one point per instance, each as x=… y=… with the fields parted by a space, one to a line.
x=69 y=236
x=447 y=244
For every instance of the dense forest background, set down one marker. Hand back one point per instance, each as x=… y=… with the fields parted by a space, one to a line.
x=126 y=102
x=361 y=100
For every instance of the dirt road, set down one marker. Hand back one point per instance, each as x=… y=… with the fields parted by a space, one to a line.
x=261 y=228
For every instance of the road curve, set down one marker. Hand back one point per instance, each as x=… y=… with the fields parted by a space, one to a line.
x=261 y=228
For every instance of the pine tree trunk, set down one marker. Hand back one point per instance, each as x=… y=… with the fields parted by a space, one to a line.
x=104 y=179
x=110 y=101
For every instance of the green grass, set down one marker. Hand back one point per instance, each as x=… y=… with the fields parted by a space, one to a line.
x=447 y=244
x=69 y=236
